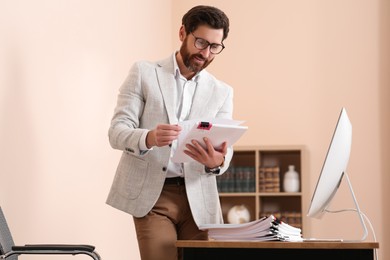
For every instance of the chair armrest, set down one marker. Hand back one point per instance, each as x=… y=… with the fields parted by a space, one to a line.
x=53 y=249
x=61 y=247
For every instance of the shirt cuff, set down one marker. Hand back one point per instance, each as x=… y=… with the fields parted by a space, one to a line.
x=142 y=142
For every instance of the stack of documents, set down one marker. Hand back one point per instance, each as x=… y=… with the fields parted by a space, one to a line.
x=264 y=229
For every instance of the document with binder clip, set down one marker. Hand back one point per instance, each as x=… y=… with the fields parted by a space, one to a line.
x=216 y=130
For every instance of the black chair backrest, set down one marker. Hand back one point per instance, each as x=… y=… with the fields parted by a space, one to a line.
x=6 y=241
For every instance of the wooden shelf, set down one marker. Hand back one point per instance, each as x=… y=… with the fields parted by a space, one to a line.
x=240 y=184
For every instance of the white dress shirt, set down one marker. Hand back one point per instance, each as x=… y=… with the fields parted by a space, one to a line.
x=185 y=90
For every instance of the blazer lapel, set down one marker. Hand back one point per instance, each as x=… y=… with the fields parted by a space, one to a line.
x=167 y=84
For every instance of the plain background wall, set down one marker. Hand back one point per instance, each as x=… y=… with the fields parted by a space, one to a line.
x=293 y=65
x=61 y=64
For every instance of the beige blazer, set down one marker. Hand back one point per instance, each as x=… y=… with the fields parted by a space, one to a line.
x=146 y=99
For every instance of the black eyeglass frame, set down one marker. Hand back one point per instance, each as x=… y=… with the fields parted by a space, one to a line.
x=197 y=39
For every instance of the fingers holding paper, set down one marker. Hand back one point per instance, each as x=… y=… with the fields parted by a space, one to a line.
x=210 y=157
x=163 y=134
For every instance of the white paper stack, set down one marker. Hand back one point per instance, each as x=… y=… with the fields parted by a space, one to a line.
x=264 y=229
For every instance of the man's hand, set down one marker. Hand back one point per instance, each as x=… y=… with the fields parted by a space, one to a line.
x=162 y=135
x=209 y=157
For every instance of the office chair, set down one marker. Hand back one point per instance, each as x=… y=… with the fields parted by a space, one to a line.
x=9 y=251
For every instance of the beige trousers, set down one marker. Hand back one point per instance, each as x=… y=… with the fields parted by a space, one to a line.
x=168 y=221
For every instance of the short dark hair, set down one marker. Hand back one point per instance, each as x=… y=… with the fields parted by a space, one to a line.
x=206 y=15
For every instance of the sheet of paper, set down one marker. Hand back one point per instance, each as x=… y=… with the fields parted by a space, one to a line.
x=188 y=124
x=221 y=130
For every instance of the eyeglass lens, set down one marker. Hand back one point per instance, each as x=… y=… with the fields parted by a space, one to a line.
x=202 y=44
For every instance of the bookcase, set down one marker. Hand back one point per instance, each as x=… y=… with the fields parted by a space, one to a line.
x=255 y=179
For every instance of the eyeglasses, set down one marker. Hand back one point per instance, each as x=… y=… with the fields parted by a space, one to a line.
x=202 y=44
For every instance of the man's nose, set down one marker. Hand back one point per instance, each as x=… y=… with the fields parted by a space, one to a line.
x=206 y=52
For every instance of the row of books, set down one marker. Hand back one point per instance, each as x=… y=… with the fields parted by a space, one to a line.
x=242 y=179
x=264 y=229
x=269 y=179
x=237 y=179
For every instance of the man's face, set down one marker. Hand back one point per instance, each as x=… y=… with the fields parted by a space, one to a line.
x=194 y=59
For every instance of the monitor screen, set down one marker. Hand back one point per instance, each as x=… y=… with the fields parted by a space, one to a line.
x=334 y=166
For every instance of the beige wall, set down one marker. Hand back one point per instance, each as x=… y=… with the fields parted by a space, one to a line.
x=293 y=65
x=384 y=86
x=61 y=64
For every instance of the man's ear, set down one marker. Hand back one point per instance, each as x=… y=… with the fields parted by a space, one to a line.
x=182 y=33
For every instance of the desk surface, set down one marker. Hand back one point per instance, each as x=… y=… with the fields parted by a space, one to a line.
x=276 y=244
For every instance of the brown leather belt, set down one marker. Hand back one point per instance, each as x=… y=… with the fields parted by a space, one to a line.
x=174 y=181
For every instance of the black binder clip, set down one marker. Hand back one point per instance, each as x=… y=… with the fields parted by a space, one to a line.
x=204 y=125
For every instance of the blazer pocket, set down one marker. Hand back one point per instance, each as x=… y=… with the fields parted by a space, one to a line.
x=130 y=176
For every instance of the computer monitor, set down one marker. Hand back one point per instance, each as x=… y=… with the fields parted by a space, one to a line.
x=333 y=168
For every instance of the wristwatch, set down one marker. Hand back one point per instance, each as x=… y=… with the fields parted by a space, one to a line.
x=215 y=170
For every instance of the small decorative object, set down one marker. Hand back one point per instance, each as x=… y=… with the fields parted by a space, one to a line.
x=291 y=180
x=238 y=214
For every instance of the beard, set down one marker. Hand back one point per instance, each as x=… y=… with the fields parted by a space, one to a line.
x=191 y=61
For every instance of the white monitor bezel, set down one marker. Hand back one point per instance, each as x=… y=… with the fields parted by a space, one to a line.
x=334 y=166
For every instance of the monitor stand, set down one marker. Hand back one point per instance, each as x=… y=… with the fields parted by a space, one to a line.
x=357 y=210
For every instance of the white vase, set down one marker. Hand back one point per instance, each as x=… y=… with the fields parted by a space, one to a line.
x=291 y=180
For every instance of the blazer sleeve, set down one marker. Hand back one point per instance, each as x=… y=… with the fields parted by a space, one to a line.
x=226 y=111
x=124 y=132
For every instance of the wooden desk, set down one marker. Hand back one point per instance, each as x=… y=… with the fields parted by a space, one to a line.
x=244 y=250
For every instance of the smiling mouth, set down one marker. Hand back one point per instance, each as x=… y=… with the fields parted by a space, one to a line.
x=199 y=59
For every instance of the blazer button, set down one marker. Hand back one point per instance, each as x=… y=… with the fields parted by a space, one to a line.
x=164 y=168
x=129 y=150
